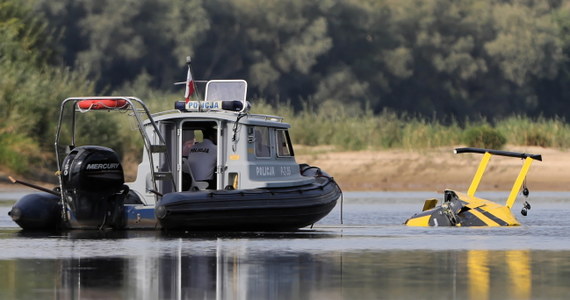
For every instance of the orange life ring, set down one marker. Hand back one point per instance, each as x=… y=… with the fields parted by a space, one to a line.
x=102 y=103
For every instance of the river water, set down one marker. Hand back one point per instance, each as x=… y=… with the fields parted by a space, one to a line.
x=370 y=256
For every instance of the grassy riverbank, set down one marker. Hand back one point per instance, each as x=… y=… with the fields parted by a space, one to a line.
x=357 y=129
x=331 y=127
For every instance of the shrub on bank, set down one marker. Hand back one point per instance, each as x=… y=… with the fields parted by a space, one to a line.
x=484 y=136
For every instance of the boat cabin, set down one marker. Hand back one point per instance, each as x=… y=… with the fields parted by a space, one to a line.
x=252 y=151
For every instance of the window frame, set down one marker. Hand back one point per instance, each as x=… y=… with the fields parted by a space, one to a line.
x=287 y=140
x=258 y=154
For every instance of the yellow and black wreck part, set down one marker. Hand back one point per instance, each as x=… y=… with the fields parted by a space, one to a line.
x=459 y=209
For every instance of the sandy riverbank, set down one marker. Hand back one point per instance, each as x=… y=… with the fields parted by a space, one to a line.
x=437 y=169
x=425 y=170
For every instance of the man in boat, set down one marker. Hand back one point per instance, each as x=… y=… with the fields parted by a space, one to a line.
x=202 y=159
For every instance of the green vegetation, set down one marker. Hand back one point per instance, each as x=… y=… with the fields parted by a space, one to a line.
x=359 y=130
x=484 y=137
x=462 y=59
x=542 y=132
x=30 y=89
x=355 y=74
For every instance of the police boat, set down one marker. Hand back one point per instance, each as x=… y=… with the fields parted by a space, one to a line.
x=255 y=183
x=459 y=209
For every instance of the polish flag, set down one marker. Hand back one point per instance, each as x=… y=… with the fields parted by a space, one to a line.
x=190 y=87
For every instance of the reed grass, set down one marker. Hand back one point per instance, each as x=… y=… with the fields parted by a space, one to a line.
x=331 y=127
x=362 y=130
x=544 y=132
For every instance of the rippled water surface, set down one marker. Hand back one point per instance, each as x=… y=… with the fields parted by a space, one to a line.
x=370 y=256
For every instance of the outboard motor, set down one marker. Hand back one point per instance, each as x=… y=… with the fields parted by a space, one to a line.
x=93 y=188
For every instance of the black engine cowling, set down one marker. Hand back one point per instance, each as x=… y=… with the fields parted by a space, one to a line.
x=93 y=187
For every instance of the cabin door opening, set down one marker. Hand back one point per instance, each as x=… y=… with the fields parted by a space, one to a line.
x=192 y=140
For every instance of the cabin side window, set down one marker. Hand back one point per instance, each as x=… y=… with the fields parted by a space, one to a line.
x=284 y=146
x=262 y=146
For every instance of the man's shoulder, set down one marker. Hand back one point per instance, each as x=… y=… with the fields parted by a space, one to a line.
x=208 y=143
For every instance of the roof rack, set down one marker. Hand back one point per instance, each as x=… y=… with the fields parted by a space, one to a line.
x=267 y=117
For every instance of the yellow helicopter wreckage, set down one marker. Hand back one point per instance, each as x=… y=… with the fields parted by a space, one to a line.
x=459 y=209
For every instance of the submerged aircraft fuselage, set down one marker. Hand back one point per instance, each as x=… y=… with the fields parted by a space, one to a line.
x=459 y=209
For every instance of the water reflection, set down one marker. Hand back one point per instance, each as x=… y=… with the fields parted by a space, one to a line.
x=515 y=264
x=372 y=256
x=520 y=273
x=478 y=274
x=232 y=269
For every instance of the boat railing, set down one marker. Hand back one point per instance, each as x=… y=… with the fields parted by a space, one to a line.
x=166 y=112
x=119 y=103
